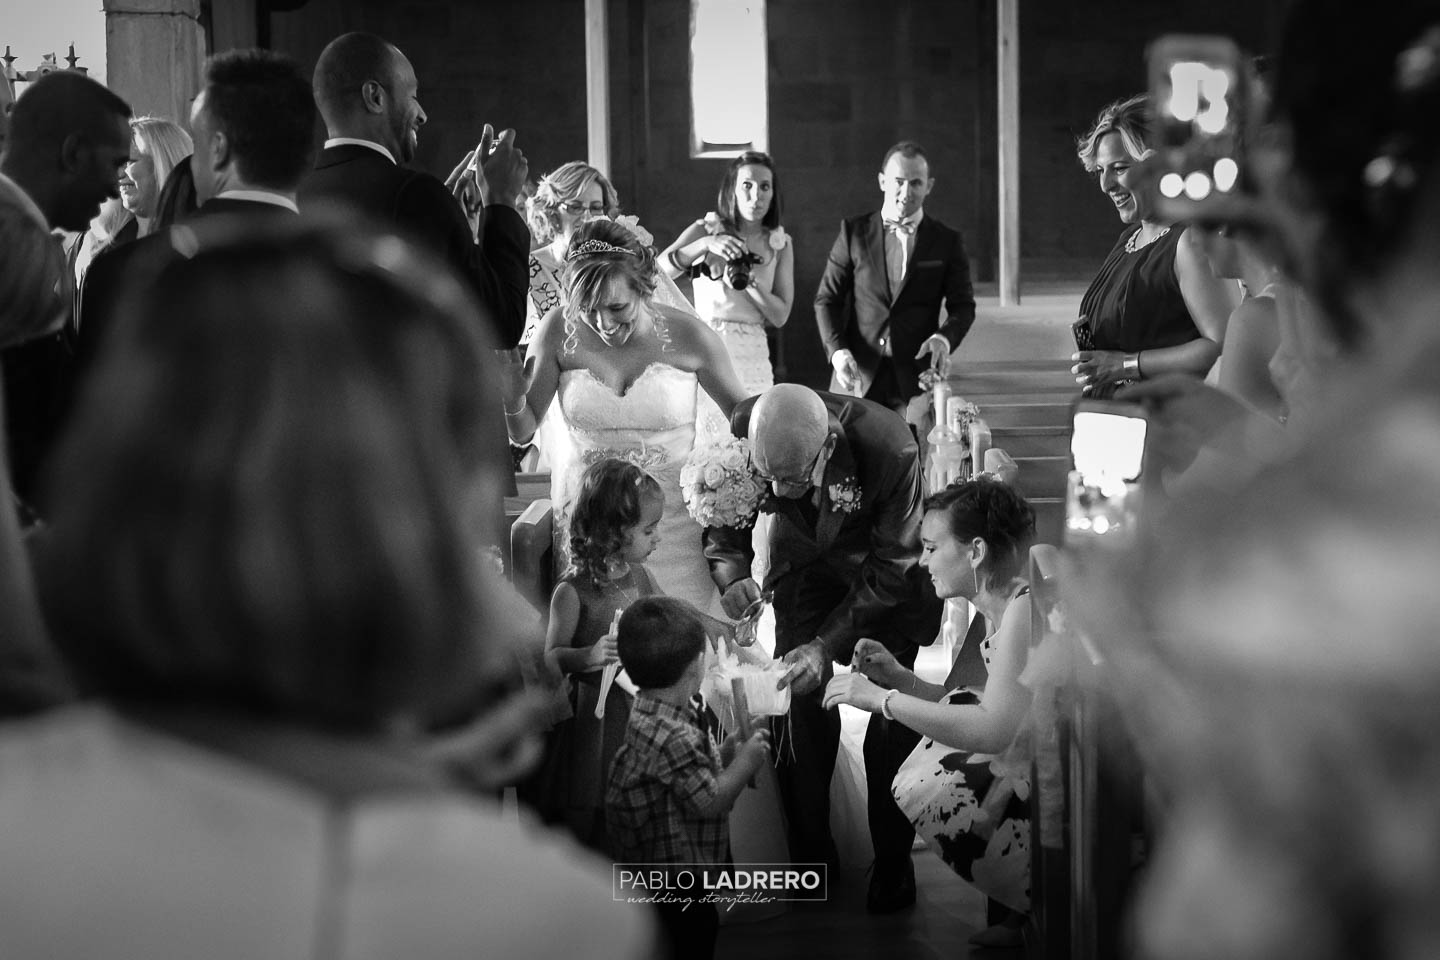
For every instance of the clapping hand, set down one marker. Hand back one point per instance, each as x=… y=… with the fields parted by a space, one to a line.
x=494 y=172
x=855 y=689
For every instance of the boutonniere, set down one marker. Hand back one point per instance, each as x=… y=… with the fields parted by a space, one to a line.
x=778 y=238
x=845 y=495
x=713 y=226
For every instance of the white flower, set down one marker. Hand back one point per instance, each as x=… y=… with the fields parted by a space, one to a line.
x=714 y=474
x=734 y=459
x=778 y=238
x=632 y=223
x=713 y=224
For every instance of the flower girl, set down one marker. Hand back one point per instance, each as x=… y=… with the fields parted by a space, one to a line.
x=612 y=531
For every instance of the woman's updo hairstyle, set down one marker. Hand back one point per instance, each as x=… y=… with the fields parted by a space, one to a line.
x=566 y=182
x=600 y=251
x=1358 y=90
x=991 y=510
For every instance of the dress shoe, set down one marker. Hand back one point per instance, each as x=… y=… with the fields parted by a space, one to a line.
x=892 y=888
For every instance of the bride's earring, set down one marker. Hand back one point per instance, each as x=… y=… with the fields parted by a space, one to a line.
x=975 y=571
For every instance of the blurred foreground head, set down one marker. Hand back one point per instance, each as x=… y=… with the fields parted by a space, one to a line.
x=277 y=485
x=1278 y=651
x=1356 y=186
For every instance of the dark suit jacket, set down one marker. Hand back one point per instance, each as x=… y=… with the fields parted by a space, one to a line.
x=421 y=207
x=875 y=547
x=855 y=308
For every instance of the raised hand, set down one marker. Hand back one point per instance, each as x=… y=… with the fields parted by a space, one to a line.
x=503 y=168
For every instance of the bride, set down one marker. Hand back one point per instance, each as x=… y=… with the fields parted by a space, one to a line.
x=625 y=371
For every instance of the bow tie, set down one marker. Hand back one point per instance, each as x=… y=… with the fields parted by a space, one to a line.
x=901 y=226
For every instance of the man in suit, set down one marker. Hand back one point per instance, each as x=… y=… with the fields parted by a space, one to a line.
x=253 y=124
x=69 y=138
x=844 y=547
x=369 y=97
x=878 y=304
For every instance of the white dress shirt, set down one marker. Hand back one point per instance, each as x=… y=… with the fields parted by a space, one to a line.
x=357 y=142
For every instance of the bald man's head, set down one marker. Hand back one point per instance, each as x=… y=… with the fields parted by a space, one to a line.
x=366 y=88
x=789 y=430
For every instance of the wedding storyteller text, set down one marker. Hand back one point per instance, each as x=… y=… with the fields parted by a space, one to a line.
x=708 y=883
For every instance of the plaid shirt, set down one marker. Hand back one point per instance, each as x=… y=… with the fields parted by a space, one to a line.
x=662 y=775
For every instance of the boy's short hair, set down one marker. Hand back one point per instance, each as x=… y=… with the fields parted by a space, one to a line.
x=658 y=639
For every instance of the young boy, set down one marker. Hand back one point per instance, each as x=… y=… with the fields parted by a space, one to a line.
x=668 y=797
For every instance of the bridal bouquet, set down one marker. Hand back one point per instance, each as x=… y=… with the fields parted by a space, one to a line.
x=719 y=484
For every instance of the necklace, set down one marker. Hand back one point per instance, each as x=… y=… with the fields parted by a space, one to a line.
x=1132 y=245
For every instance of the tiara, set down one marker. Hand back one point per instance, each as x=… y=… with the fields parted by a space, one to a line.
x=590 y=247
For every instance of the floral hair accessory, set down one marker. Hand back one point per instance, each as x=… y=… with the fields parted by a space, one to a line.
x=592 y=247
x=845 y=495
x=712 y=224
x=778 y=238
x=632 y=223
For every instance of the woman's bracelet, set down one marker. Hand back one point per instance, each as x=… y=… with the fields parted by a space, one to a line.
x=885 y=705
x=674 y=258
x=524 y=402
x=1132 y=366
x=914 y=682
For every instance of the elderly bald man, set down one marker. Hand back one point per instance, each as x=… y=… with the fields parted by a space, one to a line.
x=844 y=564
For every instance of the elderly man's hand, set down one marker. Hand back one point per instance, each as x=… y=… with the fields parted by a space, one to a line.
x=806 y=668
x=738 y=597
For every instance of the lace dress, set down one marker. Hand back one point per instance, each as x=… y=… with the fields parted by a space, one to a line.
x=652 y=425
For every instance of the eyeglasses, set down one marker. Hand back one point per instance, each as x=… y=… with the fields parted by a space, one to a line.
x=575 y=206
x=802 y=482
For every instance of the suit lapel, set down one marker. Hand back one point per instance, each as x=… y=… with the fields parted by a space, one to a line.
x=840 y=471
x=875 y=252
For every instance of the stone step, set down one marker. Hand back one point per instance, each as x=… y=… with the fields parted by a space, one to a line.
x=1031 y=441
x=1030 y=414
x=1013 y=376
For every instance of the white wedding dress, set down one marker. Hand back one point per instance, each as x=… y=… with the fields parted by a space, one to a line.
x=652 y=425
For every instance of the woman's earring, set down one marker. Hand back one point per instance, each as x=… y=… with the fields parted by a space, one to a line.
x=976 y=572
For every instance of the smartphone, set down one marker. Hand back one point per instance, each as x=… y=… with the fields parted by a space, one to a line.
x=1107 y=448
x=1107 y=440
x=1200 y=91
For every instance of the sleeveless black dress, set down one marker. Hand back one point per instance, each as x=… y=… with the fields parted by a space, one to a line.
x=1134 y=302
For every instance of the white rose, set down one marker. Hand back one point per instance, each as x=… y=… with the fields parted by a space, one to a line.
x=734 y=459
x=714 y=475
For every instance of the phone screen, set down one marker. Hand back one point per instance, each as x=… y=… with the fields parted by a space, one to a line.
x=1107 y=447
x=1199 y=91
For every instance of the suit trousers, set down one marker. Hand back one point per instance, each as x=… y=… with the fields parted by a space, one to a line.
x=803 y=599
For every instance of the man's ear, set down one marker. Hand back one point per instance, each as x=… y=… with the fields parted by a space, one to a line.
x=74 y=152
x=880 y=179
x=929 y=186
x=219 y=150
x=374 y=96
